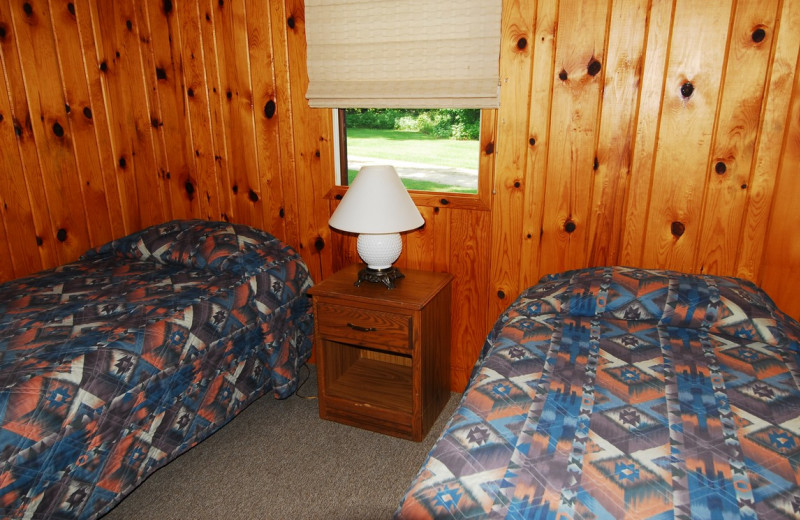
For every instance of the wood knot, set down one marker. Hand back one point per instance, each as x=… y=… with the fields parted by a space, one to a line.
x=444 y=202
x=122 y=162
x=167 y=5
x=27 y=8
x=71 y=8
x=522 y=43
x=189 y=189
x=281 y=213
x=563 y=75
x=489 y=149
x=103 y=66
x=319 y=244
x=720 y=168
x=531 y=141
x=58 y=130
x=290 y=22
x=61 y=235
x=501 y=294
x=570 y=226
x=594 y=67
x=190 y=92
x=517 y=184
x=687 y=89
x=269 y=109
x=161 y=73
x=87 y=112
x=678 y=228
x=235 y=189
x=759 y=35
x=253 y=196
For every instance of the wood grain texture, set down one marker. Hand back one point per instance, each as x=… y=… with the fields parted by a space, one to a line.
x=579 y=70
x=510 y=153
x=769 y=147
x=692 y=83
x=140 y=89
x=740 y=110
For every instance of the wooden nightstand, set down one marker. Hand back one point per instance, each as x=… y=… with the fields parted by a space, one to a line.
x=383 y=355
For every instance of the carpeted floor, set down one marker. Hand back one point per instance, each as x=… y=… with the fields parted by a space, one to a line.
x=279 y=460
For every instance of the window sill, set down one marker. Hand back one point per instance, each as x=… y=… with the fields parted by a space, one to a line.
x=470 y=201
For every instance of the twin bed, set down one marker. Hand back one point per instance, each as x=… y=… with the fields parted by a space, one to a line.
x=600 y=393
x=625 y=393
x=114 y=365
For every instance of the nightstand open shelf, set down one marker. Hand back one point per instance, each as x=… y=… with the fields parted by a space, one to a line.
x=373 y=383
x=383 y=354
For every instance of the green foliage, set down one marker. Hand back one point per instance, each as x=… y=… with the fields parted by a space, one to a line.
x=443 y=123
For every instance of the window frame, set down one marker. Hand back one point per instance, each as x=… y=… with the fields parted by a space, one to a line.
x=475 y=201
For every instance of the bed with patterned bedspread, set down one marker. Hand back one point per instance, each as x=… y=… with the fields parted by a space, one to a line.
x=625 y=393
x=113 y=365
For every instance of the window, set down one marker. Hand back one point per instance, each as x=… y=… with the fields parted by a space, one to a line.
x=435 y=150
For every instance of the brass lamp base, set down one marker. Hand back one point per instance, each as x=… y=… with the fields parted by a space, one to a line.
x=384 y=276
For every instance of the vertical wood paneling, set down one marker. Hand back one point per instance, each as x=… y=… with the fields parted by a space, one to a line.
x=510 y=153
x=283 y=119
x=121 y=72
x=542 y=77
x=637 y=198
x=86 y=17
x=469 y=233
x=313 y=152
x=770 y=144
x=688 y=113
x=163 y=72
x=48 y=120
x=579 y=64
x=196 y=108
x=209 y=180
x=80 y=121
x=19 y=229
x=264 y=108
x=210 y=95
x=24 y=189
x=236 y=96
x=735 y=136
x=781 y=271
x=615 y=141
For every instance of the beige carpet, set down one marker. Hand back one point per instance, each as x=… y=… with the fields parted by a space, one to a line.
x=279 y=460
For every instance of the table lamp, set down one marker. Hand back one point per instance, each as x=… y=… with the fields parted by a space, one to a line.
x=377 y=207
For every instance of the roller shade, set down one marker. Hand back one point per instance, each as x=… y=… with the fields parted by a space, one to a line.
x=403 y=53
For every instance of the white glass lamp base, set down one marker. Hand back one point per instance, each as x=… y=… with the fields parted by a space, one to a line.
x=379 y=251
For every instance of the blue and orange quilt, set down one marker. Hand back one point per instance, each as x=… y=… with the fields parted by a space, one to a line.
x=113 y=365
x=619 y=393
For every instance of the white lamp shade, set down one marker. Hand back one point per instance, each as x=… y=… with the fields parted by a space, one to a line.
x=376 y=202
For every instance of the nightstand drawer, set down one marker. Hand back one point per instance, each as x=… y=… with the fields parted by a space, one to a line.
x=364 y=327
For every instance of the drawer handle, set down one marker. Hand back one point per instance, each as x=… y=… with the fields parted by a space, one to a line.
x=360 y=328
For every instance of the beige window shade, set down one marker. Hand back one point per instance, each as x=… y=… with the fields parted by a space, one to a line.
x=403 y=53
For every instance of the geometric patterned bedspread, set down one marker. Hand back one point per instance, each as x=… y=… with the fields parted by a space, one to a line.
x=113 y=365
x=625 y=393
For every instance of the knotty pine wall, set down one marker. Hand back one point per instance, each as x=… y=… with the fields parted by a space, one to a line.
x=639 y=132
